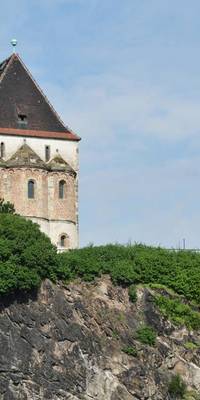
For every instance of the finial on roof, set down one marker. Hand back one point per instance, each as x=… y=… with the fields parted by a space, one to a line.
x=14 y=44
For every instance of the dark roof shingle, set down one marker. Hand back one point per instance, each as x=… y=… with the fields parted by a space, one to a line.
x=21 y=97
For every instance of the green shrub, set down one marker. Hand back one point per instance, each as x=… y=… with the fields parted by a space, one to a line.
x=127 y=265
x=177 y=388
x=146 y=335
x=131 y=351
x=122 y=272
x=191 y=395
x=6 y=207
x=78 y=265
x=22 y=245
x=132 y=292
x=191 y=346
x=26 y=254
x=178 y=312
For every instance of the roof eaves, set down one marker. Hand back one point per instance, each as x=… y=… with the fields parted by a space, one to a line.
x=40 y=134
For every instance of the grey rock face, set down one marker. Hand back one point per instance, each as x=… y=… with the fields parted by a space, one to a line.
x=67 y=344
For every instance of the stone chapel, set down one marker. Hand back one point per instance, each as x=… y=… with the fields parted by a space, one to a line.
x=38 y=156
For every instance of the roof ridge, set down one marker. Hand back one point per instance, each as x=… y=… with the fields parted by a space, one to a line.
x=57 y=155
x=40 y=90
x=9 y=61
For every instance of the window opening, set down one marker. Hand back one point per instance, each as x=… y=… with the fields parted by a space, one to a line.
x=62 y=189
x=63 y=241
x=31 y=189
x=47 y=153
x=22 y=119
x=2 y=149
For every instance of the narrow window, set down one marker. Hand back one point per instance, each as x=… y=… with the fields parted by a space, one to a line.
x=63 y=241
x=47 y=153
x=62 y=189
x=22 y=119
x=2 y=149
x=31 y=189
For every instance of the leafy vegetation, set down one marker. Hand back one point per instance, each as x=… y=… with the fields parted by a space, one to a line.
x=27 y=256
x=146 y=335
x=132 y=293
x=178 y=312
x=177 y=388
x=133 y=264
x=191 y=395
x=6 y=207
x=130 y=350
x=191 y=346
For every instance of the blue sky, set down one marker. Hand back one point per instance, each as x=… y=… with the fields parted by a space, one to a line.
x=125 y=75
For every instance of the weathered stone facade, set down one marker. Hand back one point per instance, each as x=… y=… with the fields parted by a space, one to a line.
x=56 y=216
x=37 y=153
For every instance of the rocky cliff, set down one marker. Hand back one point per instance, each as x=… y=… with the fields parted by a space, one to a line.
x=70 y=343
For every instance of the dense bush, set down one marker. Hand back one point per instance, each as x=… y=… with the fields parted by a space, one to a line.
x=178 y=312
x=26 y=254
x=177 y=270
x=177 y=388
x=146 y=335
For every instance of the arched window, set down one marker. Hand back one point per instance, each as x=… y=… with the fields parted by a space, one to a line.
x=31 y=189
x=2 y=149
x=62 y=189
x=47 y=153
x=63 y=241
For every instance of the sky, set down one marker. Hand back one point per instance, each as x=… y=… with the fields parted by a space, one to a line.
x=125 y=76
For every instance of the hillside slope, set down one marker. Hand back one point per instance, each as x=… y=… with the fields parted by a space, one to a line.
x=81 y=341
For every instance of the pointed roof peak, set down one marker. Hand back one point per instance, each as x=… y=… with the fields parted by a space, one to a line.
x=57 y=163
x=25 y=156
x=20 y=95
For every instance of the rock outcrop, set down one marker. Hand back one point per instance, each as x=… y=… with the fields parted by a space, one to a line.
x=68 y=344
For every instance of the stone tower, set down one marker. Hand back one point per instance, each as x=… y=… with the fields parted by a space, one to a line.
x=38 y=156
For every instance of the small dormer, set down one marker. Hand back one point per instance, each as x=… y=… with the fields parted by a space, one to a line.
x=21 y=116
x=22 y=120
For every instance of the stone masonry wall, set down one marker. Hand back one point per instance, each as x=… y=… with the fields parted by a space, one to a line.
x=53 y=214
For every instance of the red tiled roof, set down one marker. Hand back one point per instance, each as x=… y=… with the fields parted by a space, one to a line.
x=67 y=135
